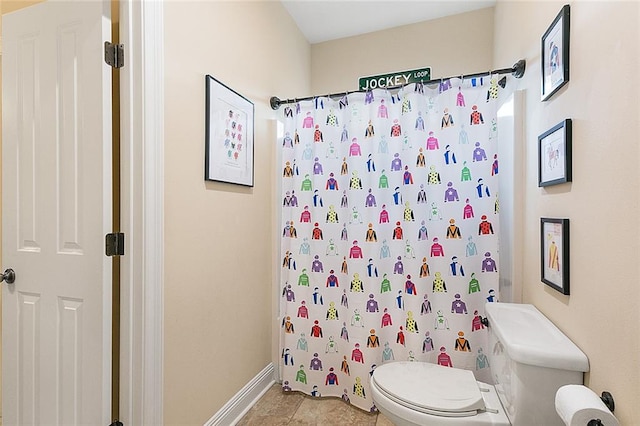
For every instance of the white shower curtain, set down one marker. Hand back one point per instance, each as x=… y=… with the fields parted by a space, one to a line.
x=389 y=233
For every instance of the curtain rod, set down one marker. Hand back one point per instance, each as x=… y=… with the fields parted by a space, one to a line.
x=517 y=71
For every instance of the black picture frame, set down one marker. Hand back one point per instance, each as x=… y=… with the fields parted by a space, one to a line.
x=555 y=54
x=554 y=253
x=229 y=135
x=554 y=154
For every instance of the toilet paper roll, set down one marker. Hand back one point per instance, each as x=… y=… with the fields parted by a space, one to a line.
x=577 y=405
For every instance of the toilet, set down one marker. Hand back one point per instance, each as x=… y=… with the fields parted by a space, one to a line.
x=529 y=357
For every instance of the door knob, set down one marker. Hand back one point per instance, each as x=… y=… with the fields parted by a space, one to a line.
x=9 y=276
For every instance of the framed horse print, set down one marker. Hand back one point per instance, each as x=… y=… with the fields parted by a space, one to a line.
x=554 y=155
x=555 y=54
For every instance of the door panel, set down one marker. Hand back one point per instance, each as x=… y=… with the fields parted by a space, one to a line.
x=56 y=210
x=28 y=122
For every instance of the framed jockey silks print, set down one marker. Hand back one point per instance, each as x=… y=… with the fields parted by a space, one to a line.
x=228 y=135
x=554 y=253
x=554 y=155
x=555 y=54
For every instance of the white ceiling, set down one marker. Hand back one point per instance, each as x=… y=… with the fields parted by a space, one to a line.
x=323 y=20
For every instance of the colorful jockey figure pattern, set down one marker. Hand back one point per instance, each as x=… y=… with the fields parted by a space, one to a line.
x=388 y=233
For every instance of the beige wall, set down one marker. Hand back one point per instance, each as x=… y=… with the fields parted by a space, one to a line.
x=219 y=237
x=601 y=315
x=13 y=5
x=448 y=45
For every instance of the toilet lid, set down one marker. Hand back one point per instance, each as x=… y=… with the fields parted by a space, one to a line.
x=430 y=388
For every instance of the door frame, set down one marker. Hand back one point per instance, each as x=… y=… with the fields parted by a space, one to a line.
x=142 y=212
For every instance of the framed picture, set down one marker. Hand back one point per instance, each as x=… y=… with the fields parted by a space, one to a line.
x=555 y=54
x=554 y=253
x=228 y=135
x=554 y=155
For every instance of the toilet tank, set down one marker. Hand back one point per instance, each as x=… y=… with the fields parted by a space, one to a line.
x=530 y=358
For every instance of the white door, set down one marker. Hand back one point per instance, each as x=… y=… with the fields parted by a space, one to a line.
x=56 y=210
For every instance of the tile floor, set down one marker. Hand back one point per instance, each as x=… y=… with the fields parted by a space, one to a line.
x=277 y=408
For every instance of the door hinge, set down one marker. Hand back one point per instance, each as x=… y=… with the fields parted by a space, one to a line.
x=114 y=244
x=114 y=54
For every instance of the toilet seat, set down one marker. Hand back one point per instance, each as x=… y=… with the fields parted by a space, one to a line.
x=430 y=388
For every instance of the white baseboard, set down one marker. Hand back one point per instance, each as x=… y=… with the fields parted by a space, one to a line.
x=246 y=398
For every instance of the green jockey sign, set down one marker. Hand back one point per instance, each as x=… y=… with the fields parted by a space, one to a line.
x=396 y=79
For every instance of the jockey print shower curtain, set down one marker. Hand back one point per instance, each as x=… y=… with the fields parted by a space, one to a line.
x=389 y=223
